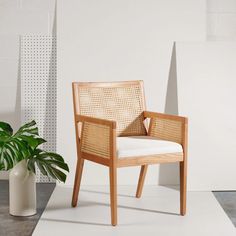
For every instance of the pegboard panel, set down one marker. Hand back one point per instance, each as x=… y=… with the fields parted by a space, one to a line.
x=38 y=88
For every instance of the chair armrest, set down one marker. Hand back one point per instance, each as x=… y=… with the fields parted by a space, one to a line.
x=168 y=127
x=98 y=136
x=150 y=114
x=94 y=120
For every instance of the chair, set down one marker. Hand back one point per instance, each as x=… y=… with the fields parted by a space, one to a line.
x=112 y=130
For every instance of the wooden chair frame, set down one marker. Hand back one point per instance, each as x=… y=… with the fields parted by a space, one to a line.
x=112 y=161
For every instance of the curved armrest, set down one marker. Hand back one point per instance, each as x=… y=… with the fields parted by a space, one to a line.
x=98 y=136
x=82 y=118
x=150 y=114
x=168 y=127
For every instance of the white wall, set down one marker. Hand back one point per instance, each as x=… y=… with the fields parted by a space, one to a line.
x=111 y=40
x=18 y=17
x=206 y=75
x=147 y=52
x=221 y=20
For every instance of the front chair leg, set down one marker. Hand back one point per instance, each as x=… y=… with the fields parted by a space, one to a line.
x=78 y=176
x=142 y=176
x=183 y=187
x=113 y=194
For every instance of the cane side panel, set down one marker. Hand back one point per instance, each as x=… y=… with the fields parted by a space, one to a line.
x=121 y=104
x=166 y=129
x=96 y=139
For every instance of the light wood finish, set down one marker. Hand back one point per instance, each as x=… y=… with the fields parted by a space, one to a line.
x=183 y=186
x=146 y=160
x=183 y=171
x=172 y=128
x=166 y=127
x=113 y=178
x=97 y=159
x=142 y=176
x=113 y=194
x=103 y=111
x=96 y=139
x=80 y=161
x=98 y=121
x=120 y=101
x=151 y=114
x=78 y=176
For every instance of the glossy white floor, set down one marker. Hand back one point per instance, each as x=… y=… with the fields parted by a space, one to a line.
x=156 y=213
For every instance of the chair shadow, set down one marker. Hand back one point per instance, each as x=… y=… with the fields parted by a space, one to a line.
x=89 y=204
x=131 y=208
x=104 y=193
x=103 y=224
x=63 y=206
x=169 y=172
x=74 y=222
x=174 y=187
x=141 y=209
x=102 y=204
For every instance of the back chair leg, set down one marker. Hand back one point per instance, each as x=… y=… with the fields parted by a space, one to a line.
x=113 y=194
x=183 y=187
x=78 y=176
x=141 y=180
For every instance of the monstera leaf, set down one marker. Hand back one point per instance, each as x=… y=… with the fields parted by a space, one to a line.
x=24 y=145
x=16 y=147
x=48 y=163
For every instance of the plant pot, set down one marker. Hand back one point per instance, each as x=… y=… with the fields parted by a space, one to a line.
x=22 y=191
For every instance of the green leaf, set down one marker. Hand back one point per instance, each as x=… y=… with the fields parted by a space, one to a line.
x=10 y=151
x=2 y=166
x=50 y=172
x=34 y=131
x=61 y=165
x=55 y=156
x=31 y=165
x=50 y=164
x=8 y=160
x=4 y=136
x=28 y=125
x=59 y=174
x=17 y=154
x=28 y=129
x=41 y=167
x=24 y=145
x=32 y=141
x=6 y=128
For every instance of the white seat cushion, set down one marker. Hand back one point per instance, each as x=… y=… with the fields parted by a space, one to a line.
x=144 y=145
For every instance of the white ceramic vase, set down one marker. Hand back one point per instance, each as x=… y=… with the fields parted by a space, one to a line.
x=22 y=190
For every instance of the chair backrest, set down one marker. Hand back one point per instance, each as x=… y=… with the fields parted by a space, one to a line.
x=122 y=102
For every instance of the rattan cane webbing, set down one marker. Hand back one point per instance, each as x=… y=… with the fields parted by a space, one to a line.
x=166 y=129
x=121 y=104
x=96 y=139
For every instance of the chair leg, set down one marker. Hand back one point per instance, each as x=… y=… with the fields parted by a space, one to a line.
x=113 y=194
x=142 y=176
x=183 y=187
x=78 y=176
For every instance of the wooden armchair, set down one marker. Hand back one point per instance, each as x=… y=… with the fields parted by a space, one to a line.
x=111 y=129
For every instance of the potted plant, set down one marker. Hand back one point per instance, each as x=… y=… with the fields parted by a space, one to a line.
x=20 y=153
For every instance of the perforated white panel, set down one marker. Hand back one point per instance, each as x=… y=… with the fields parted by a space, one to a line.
x=38 y=87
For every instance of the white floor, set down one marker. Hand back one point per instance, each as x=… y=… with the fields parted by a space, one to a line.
x=156 y=213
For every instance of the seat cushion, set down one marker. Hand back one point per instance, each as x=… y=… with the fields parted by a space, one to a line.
x=144 y=145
